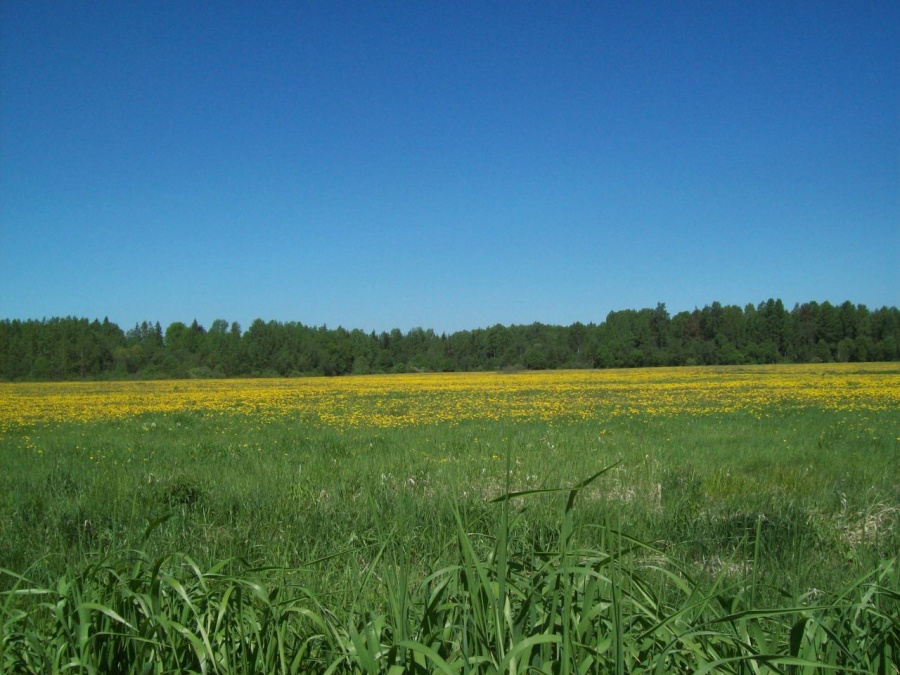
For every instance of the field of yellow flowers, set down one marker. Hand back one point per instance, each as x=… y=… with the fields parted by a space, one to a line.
x=394 y=401
x=783 y=480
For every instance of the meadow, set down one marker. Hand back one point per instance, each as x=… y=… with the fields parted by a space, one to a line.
x=733 y=519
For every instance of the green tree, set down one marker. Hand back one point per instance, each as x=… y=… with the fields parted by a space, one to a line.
x=260 y=342
x=535 y=357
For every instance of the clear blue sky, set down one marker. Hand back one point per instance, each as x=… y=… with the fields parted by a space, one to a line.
x=448 y=165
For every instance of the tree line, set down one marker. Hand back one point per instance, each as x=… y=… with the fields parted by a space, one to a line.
x=75 y=348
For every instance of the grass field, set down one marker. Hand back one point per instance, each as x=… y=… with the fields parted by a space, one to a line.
x=748 y=519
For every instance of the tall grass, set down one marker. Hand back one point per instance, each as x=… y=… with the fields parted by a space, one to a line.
x=623 y=607
x=730 y=542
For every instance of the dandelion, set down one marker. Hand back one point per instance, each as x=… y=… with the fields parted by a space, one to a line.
x=392 y=401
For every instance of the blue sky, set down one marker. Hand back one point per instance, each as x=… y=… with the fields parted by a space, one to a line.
x=449 y=165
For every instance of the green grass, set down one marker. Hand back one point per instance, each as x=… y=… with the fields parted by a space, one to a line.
x=189 y=542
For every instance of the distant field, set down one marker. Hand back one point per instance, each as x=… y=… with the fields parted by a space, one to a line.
x=389 y=401
x=786 y=477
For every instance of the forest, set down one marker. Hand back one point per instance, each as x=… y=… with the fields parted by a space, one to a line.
x=73 y=348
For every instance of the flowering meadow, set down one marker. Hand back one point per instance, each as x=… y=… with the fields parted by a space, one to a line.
x=390 y=401
x=733 y=519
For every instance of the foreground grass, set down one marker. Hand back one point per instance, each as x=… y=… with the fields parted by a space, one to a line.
x=728 y=536
x=624 y=607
